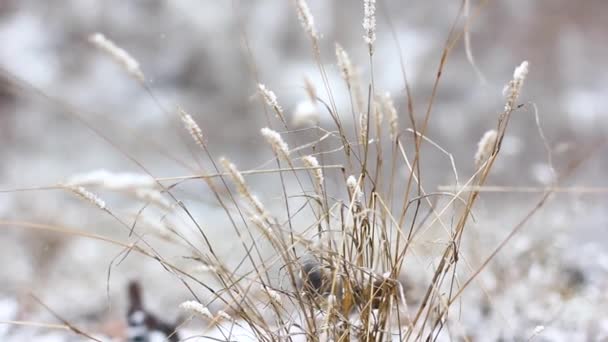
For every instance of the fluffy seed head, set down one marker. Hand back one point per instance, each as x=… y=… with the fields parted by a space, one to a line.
x=306 y=19
x=271 y=99
x=274 y=139
x=369 y=22
x=242 y=187
x=344 y=63
x=87 y=195
x=196 y=308
x=119 y=55
x=354 y=190
x=485 y=147
x=192 y=127
x=512 y=90
x=313 y=163
x=350 y=75
x=521 y=72
x=363 y=129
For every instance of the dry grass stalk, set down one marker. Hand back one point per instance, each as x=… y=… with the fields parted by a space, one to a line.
x=120 y=56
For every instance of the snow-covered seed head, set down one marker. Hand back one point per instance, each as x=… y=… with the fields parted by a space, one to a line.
x=274 y=139
x=306 y=19
x=192 y=127
x=88 y=196
x=224 y=315
x=312 y=163
x=242 y=187
x=271 y=100
x=513 y=88
x=369 y=23
x=196 y=308
x=485 y=147
x=354 y=190
x=521 y=72
x=120 y=56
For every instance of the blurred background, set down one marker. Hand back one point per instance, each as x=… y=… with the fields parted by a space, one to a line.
x=66 y=109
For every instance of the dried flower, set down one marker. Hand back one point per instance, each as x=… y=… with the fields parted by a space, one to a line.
x=485 y=147
x=119 y=55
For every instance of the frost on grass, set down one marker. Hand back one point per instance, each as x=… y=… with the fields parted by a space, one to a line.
x=120 y=56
